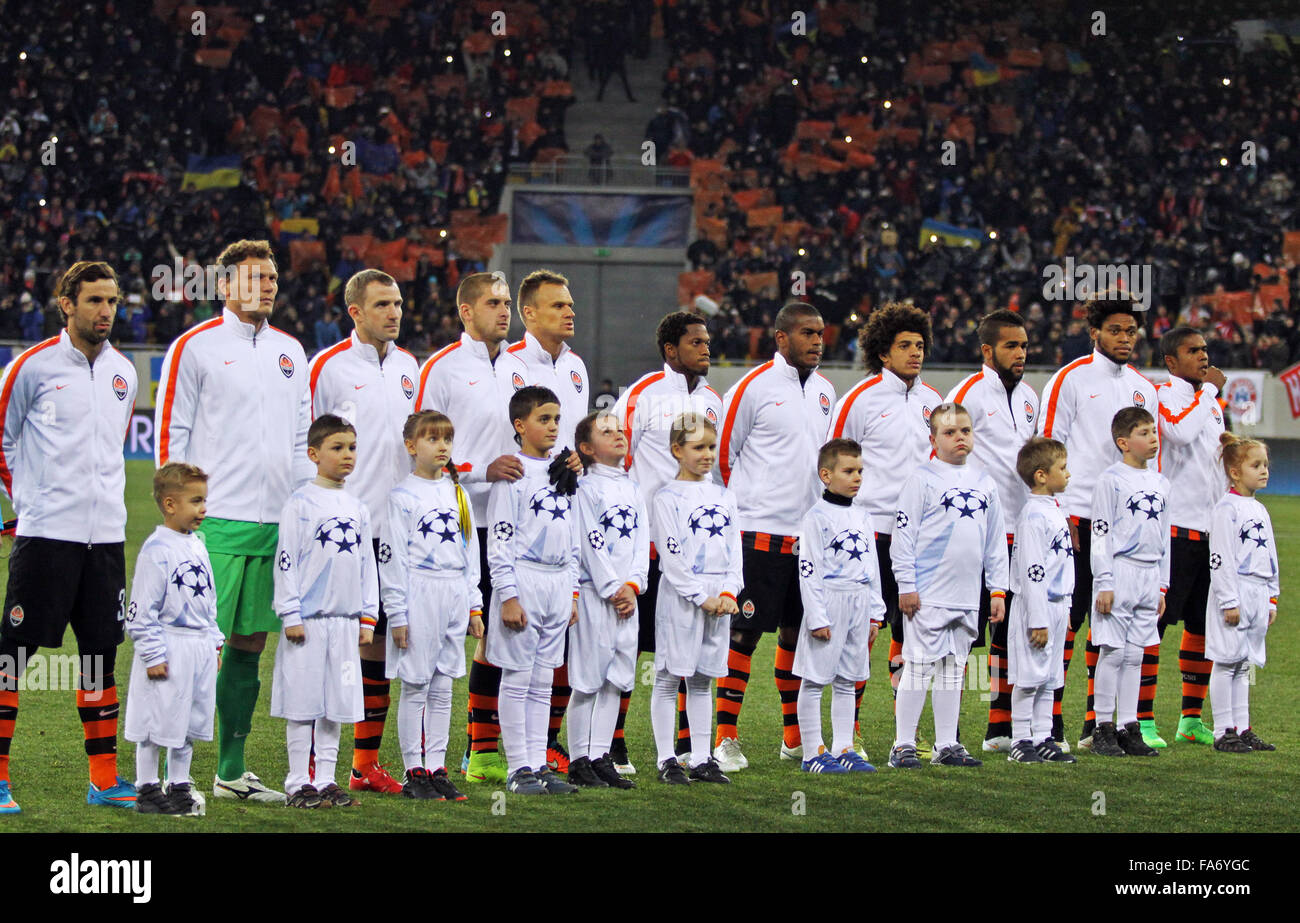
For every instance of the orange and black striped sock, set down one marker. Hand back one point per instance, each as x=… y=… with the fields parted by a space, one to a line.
x=624 y=701
x=1196 y=673
x=683 y=723
x=895 y=663
x=787 y=688
x=560 y=693
x=8 y=717
x=98 y=707
x=368 y=734
x=1090 y=652
x=485 y=726
x=1058 y=723
x=731 y=689
x=857 y=707
x=999 y=694
x=1147 y=685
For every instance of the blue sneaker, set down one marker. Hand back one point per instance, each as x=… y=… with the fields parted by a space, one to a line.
x=464 y=763
x=823 y=762
x=7 y=803
x=852 y=761
x=119 y=795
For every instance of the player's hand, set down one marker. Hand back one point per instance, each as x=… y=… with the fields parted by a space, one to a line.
x=296 y=633
x=1074 y=536
x=476 y=626
x=871 y=635
x=1232 y=616
x=574 y=463
x=573 y=619
x=1216 y=377
x=1105 y=601
x=624 y=601
x=822 y=634
x=997 y=609
x=1160 y=608
x=157 y=672
x=512 y=614
x=727 y=606
x=909 y=603
x=367 y=635
x=712 y=605
x=1272 y=616
x=399 y=637
x=505 y=468
x=1037 y=637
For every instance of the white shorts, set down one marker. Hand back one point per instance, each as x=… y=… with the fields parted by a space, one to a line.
x=546 y=595
x=845 y=655
x=168 y=712
x=602 y=646
x=1134 y=613
x=1244 y=641
x=437 y=619
x=320 y=678
x=1037 y=667
x=687 y=639
x=936 y=632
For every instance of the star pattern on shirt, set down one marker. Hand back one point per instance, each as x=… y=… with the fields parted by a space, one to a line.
x=1147 y=502
x=621 y=518
x=192 y=576
x=805 y=568
x=439 y=522
x=710 y=517
x=1036 y=573
x=851 y=542
x=1253 y=531
x=341 y=532
x=966 y=501
x=548 y=500
x=1061 y=543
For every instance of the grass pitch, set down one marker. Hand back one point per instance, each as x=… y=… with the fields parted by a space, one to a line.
x=1187 y=789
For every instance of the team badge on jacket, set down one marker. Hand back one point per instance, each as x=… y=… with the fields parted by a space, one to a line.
x=517 y=380
x=408 y=387
x=826 y=405
x=119 y=387
x=577 y=381
x=925 y=412
x=1138 y=399
x=286 y=365
x=1029 y=412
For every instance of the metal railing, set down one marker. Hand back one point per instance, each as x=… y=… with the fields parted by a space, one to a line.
x=577 y=170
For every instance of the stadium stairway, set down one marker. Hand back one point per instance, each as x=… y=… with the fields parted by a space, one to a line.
x=622 y=123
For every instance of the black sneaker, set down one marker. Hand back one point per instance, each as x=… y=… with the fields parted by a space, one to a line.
x=416 y=785
x=1023 y=751
x=904 y=757
x=524 y=782
x=442 y=786
x=181 y=795
x=708 y=771
x=671 y=771
x=554 y=785
x=1051 y=753
x=331 y=796
x=1105 y=742
x=583 y=775
x=1251 y=739
x=608 y=773
x=305 y=797
x=955 y=755
x=1231 y=743
x=149 y=799
x=1131 y=742
x=618 y=752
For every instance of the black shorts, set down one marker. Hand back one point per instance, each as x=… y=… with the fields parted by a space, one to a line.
x=998 y=634
x=1081 y=601
x=1189 y=583
x=53 y=584
x=770 y=599
x=645 y=607
x=889 y=587
x=381 y=623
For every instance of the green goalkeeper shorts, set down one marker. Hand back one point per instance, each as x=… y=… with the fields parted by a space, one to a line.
x=243 y=558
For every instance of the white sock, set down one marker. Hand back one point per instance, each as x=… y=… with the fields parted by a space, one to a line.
x=604 y=719
x=579 y=715
x=663 y=715
x=512 y=713
x=1130 y=684
x=146 y=764
x=1023 y=700
x=437 y=722
x=1221 y=676
x=810 y=717
x=539 y=716
x=297 y=735
x=843 y=698
x=910 y=702
x=327 y=750
x=1241 y=696
x=1110 y=660
x=699 y=712
x=178 y=763
x=946 y=701
x=411 y=703
x=1042 y=726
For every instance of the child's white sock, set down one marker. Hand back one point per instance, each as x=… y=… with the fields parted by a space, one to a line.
x=146 y=764
x=1042 y=726
x=512 y=712
x=911 y=700
x=410 y=724
x=1106 y=682
x=604 y=718
x=297 y=735
x=579 y=721
x=1241 y=696
x=178 y=763
x=437 y=722
x=663 y=714
x=810 y=717
x=843 y=699
x=946 y=701
x=1023 y=700
x=327 y=750
x=1130 y=684
x=699 y=712
x=539 y=716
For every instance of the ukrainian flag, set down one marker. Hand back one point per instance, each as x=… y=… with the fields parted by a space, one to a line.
x=951 y=235
x=294 y=228
x=983 y=72
x=221 y=172
x=1077 y=64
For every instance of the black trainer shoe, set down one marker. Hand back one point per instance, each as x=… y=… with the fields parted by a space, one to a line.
x=524 y=782
x=1251 y=739
x=583 y=774
x=554 y=785
x=904 y=757
x=305 y=797
x=1131 y=742
x=1105 y=742
x=181 y=795
x=608 y=773
x=1023 y=751
x=618 y=752
x=331 y=796
x=671 y=771
x=416 y=785
x=708 y=771
x=149 y=799
x=1051 y=753
x=1231 y=743
x=954 y=756
x=442 y=785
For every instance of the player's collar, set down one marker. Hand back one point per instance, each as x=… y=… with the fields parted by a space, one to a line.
x=535 y=345
x=65 y=342
x=366 y=351
x=836 y=499
x=242 y=330
x=678 y=380
x=991 y=375
x=607 y=471
x=479 y=348
x=894 y=382
x=1107 y=364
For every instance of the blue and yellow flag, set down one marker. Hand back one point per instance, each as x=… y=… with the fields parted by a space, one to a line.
x=222 y=172
x=1077 y=64
x=951 y=235
x=983 y=72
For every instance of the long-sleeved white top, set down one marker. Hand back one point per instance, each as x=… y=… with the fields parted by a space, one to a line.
x=529 y=521
x=1042 y=559
x=697 y=535
x=1130 y=519
x=615 y=532
x=837 y=551
x=172 y=588
x=325 y=560
x=528 y=363
x=1241 y=545
x=1002 y=421
x=1190 y=426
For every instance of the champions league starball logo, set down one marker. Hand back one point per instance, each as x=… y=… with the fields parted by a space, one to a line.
x=965 y=500
x=621 y=518
x=503 y=531
x=850 y=543
x=710 y=517
x=439 y=522
x=1146 y=504
x=343 y=533
x=546 y=500
x=193 y=577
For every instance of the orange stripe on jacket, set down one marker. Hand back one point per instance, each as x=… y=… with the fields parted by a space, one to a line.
x=631 y=409
x=319 y=366
x=164 y=438
x=5 y=474
x=1177 y=418
x=723 y=463
x=853 y=395
x=428 y=367
x=1056 y=392
x=970 y=383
